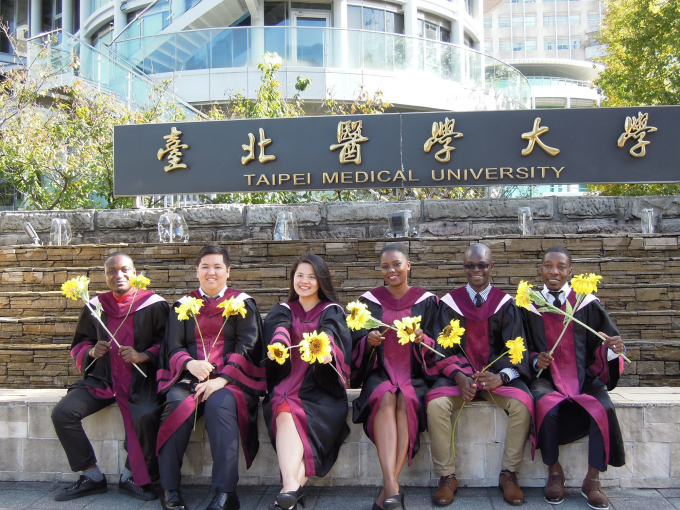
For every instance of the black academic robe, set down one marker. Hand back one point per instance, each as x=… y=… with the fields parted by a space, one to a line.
x=111 y=377
x=236 y=355
x=579 y=373
x=391 y=366
x=314 y=393
x=487 y=328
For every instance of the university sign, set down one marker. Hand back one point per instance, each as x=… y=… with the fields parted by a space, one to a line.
x=596 y=145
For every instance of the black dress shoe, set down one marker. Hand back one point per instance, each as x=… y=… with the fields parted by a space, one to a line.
x=145 y=492
x=289 y=500
x=84 y=486
x=173 y=500
x=224 y=501
x=395 y=502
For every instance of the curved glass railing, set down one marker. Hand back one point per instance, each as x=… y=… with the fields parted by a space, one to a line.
x=330 y=48
x=57 y=52
x=551 y=81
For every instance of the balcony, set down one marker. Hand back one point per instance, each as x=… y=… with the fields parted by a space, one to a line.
x=208 y=65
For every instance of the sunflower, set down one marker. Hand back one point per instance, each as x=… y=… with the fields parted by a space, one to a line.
x=315 y=346
x=140 y=282
x=76 y=288
x=524 y=294
x=359 y=315
x=515 y=349
x=451 y=334
x=585 y=283
x=279 y=351
x=233 y=306
x=191 y=306
x=406 y=329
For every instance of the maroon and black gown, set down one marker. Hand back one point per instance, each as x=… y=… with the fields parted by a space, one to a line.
x=391 y=366
x=577 y=380
x=313 y=393
x=487 y=328
x=112 y=379
x=236 y=356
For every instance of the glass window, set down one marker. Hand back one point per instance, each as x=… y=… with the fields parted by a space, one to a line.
x=504 y=46
x=574 y=19
x=561 y=19
x=563 y=44
x=444 y=35
x=374 y=19
x=517 y=21
x=468 y=6
x=354 y=17
x=275 y=14
x=431 y=31
x=488 y=46
x=593 y=20
x=576 y=44
x=529 y=1
x=487 y=23
x=531 y=45
x=517 y=45
x=548 y=44
x=503 y=21
x=515 y=1
x=529 y=21
x=548 y=21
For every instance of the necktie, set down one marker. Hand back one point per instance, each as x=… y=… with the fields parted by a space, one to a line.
x=478 y=300
x=556 y=294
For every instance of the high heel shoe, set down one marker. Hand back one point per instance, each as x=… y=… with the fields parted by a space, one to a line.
x=395 y=502
x=289 y=500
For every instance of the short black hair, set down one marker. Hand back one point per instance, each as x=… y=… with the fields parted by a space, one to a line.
x=398 y=247
x=557 y=249
x=214 y=249
x=118 y=254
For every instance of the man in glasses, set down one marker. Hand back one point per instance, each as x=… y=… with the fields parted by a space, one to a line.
x=490 y=318
x=572 y=398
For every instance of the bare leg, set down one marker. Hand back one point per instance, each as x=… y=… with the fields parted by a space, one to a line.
x=385 y=425
x=593 y=473
x=290 y=452
x=402 y=438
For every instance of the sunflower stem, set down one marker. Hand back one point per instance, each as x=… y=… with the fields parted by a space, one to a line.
x=433 y=350
x=453 y=435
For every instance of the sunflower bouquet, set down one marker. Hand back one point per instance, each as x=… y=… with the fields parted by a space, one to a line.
x=360 y=318
x=314 y=347
x=582 y=284
x=451 y=335
x=406 y=332
x=78 y=288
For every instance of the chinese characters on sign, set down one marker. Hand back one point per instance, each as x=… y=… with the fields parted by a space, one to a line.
x=173 y=146
x=349 y=138
x=443 y=133
x=250 y=148
x=533 y=137
x=636 y=128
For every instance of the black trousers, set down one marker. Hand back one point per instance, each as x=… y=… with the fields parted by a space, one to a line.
x=574 y=414
x=67 y=416
x=221 y=422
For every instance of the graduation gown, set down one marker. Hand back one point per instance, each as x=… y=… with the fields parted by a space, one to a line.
x=487 y=328
x=236 y=356
x=111 y=377
x=315 y=394
x=391 y=366
x=579 y=373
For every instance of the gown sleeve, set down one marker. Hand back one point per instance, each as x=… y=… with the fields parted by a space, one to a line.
x=596 y=356
x=454 y=360
x=428 y=310
x=174 y=354
x=277 y=326
x=511 y=328
x=159 y=319
x=333 y=323
x=84 y=338
x=363 y=356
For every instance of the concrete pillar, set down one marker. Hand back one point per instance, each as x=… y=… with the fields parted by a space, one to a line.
x=36 y=17
x=340 y=39
x=411 y=18
x=119 y=18
x=84 y=14
x=257 y=49
x=67 y=16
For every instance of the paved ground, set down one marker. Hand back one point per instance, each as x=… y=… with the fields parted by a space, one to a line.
x=39 y=495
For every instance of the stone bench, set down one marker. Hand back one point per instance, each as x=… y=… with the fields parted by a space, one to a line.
x=649 y=417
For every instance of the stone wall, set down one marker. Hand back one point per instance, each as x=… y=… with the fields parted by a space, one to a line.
x=649 y=419
x=355 y=220
x=640 y=288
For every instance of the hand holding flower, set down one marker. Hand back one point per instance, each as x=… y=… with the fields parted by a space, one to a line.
x=467 y=385
x=375 y=338
x=327 y=359
x=544 y=360
x=614 y=343
x=419 y=336
x=130 y=355
x=100 y=349
x=488 y=381
x=201 y=369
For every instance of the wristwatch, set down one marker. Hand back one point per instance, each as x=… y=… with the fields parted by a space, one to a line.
x=505 y=377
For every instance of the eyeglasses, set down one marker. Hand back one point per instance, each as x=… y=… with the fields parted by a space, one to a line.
x=469 y=266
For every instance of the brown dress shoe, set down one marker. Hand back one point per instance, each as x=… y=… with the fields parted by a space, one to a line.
x=448 y=486
x=592 y=491
x=512 y=494
x=554 y=487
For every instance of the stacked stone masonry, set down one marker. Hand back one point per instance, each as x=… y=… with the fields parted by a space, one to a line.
x=641 y=288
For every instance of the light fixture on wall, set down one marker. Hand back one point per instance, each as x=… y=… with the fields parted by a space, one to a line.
x=525 y=221
x=651 y=221
x=286 y=227
x=60 y=232
x=399 y=224
x=172 y=228
x=31 y=233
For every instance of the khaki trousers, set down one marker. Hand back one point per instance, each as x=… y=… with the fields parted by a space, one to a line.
x=441 y=414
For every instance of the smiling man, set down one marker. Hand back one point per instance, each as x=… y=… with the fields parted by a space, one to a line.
x=213 y=359
x=572 y=398
x=138 y=319
x=490 y=318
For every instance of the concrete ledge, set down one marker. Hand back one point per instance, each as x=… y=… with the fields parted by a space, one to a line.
x=649 y=418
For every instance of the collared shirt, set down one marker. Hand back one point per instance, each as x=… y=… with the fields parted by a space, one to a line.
x=219 y=295
x=511 y=372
